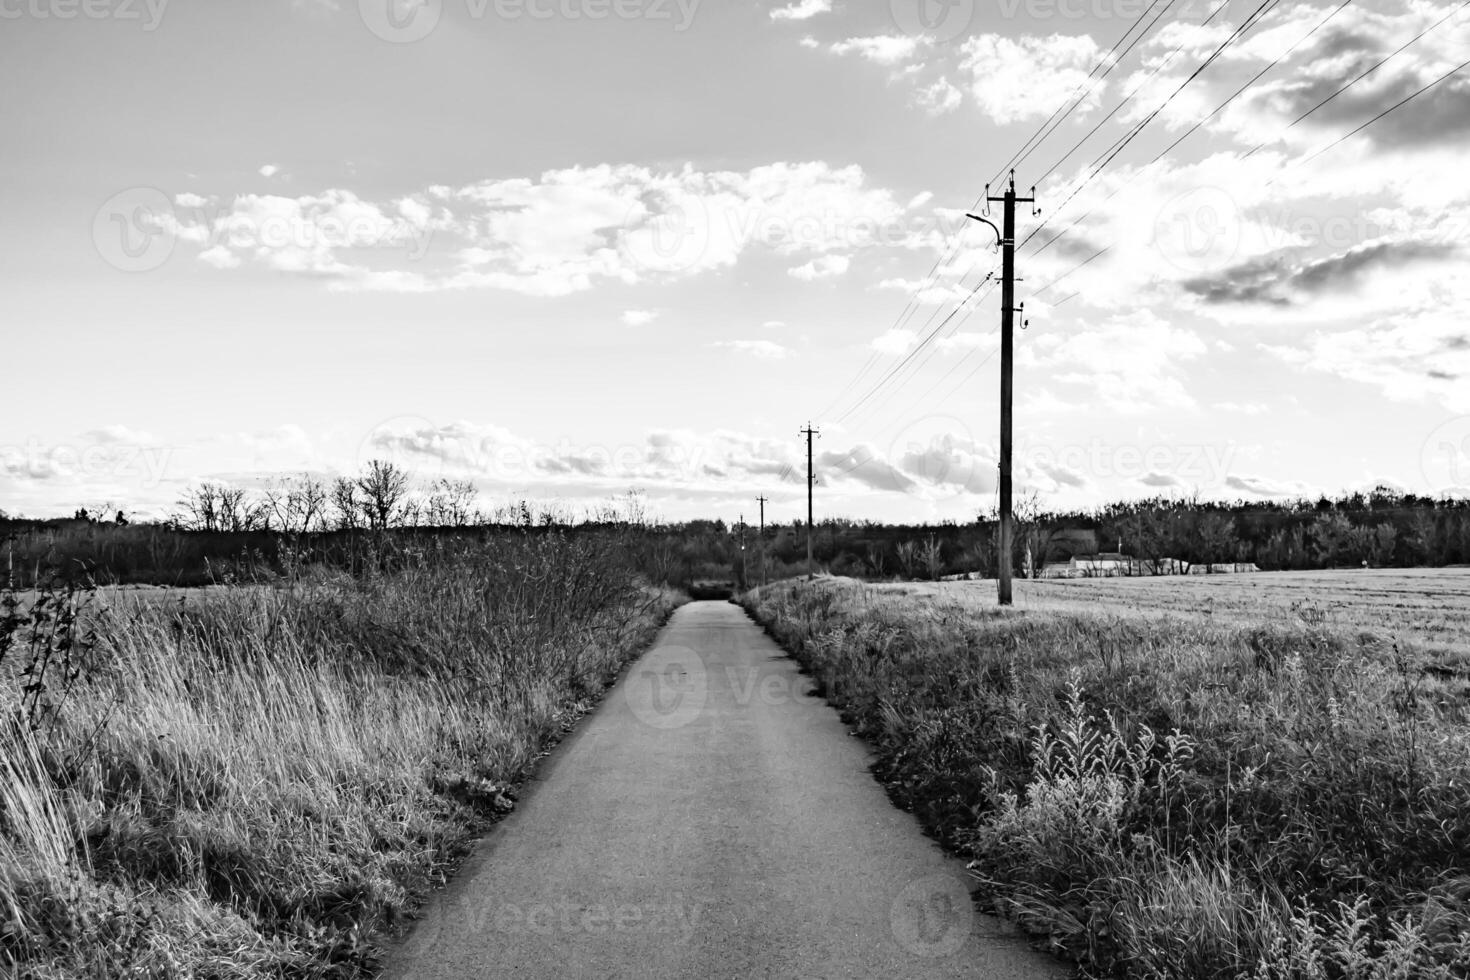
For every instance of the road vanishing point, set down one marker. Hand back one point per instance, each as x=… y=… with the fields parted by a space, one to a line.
x=711 y=819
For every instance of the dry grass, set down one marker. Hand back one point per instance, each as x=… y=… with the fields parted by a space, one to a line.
x=1168 y=796
x=257 y=781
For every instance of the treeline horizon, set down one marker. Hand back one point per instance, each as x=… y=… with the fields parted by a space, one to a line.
x=218 y=530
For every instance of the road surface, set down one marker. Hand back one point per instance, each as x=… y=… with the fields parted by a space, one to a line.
x=711 y=819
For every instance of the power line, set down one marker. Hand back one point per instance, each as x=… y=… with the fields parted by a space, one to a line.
x=1403 y=102
x=1126 y=99
x=1360 y=77
x=1032 y=144
x=1107 y=157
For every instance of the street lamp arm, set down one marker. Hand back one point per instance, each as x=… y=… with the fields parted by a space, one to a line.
x=998 y=236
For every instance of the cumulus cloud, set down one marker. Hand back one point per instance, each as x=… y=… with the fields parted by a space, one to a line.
x=895 y=341
x=802 y=10
x=269 y=170
x=1030 y=77
x=1130 y=363
x=881 y=49
x=564 y=232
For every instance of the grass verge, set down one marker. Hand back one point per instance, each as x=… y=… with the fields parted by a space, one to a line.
x=262 y=780
x=1167 y=798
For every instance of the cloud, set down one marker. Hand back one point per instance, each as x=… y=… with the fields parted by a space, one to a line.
x=1410 y=357
x=802 y=10
x=940 y=97
x=219 y=257
x=1275 y=280
x=885 y=50
x=638 y=318
x=269 y=170
x=564 y=232
x=823 y=267
x=1261 y=486
x=767 y=349
x=1016 y=79
x=896 y=341
x=1128 y=362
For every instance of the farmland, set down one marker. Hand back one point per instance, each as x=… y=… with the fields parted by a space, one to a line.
x=1235 y=776
x=1428 y=606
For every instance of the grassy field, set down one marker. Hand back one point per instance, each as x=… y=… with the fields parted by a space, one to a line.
x=1255 y=776
x=262 y=780
x=1427 y=606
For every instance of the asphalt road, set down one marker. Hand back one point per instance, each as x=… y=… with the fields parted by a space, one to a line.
x=711 y=819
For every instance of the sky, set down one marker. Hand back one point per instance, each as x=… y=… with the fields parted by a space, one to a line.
x=572 y=248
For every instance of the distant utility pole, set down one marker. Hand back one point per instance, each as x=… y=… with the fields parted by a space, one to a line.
x=811 y=481
x=743 y=574
x=762 y=539
x=1008 y=310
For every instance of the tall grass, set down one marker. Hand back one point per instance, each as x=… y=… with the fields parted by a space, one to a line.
x=1168 y=798
x=261 y=780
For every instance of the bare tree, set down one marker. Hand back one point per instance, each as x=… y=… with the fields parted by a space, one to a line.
x=450 y=503
x=297 y=505
x=346 y=504
x=384 y=489
x=907 y=552
x=215 y=507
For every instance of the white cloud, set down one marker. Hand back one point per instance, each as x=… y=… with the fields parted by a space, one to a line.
x=802 y=10
x=269 y=170
x=638 y=318
x=822 y=267
x=768 y=349
x=1030 y=77
x=882 y=49
x=940 y=97
x=219 y=257
x=1129 y=363
x=564 y=232
x=895 y=341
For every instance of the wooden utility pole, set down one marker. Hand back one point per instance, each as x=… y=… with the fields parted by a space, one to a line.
x=762 y=539
x=811 y=480
x=744 y=577
x=1008 y=310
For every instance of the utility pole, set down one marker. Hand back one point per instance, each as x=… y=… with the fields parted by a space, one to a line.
x=811 y=481
x=1008 y=310
x=762 y=539
x=743 y=574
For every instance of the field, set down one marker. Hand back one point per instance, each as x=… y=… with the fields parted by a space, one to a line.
x=1427 y=606
x=1261 y=776
x=263 y=779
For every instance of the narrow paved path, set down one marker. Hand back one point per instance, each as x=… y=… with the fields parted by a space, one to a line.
x=710 y=820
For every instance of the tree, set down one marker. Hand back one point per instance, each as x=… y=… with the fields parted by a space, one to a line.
x=1215 y=537
x=214 y=507
x=450 y=503
x=346 y=504
x=297 y=505
x=384 y=489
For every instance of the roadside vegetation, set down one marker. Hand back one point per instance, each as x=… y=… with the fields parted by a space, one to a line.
x=262 y=779
x=1168 y=798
